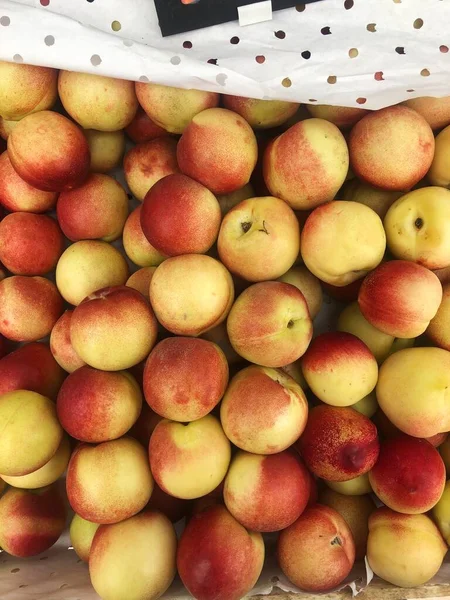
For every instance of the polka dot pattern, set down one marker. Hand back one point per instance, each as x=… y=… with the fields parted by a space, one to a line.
x=221 y=78
x=334 y=51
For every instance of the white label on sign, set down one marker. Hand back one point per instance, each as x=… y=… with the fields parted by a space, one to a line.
x=255 y=13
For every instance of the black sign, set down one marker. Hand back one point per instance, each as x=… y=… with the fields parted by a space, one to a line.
x=178 y=16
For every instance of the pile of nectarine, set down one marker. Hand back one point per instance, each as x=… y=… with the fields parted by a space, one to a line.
x=167 y=354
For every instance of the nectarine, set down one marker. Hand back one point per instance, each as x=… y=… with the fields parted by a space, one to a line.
x=88 y=266
x=409 y=475
x=97 y=209
x=109 y=482
x=400 y=298
x=31 y=521
x=180 y=216
x=29 y=308
x=338 y=443
x=339 y=368
x=151 y=558
x=26 y=89
x=307 y=164
x=317 y=552
x=30 y=244
x=269 y=324
x=189 y=460
x=147 y=163
x=218 y=148
x=405 y=550
x=191 y=293
x=217 y=557
x=31 y=367
x=113 y=329
x=97 y=102
x=31 y=432
x=49 y=152
x=259 y=239
x=97 y=406
x=266 y=493
x=173 y=108
x=61 y=345
x=342 y=263
x=391 y=148
x=185 y=378
x=264 y=411
x=16 y=195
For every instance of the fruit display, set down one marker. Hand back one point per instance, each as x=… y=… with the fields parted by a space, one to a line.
x=224 y=314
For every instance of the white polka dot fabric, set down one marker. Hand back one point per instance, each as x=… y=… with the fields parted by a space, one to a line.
x=345 y=52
